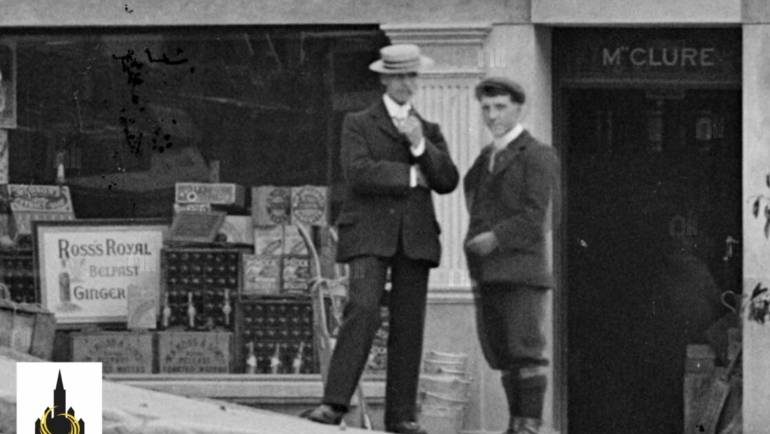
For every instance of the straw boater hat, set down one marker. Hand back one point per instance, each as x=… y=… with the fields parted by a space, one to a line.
x=401 y=59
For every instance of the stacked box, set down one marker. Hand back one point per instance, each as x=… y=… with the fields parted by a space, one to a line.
x=119 y=352
x=194 y=352
x=268 y=240
x=271 y=205
x=210 y=193
x=308 y=206
x=277 y=329
x=295 y=268
x=37 y=202
x=18 y=275
x=261 y=275
x=204 y=279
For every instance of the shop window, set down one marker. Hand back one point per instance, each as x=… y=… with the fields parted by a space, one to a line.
x=127 y=114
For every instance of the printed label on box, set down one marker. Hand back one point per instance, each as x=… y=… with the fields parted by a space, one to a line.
x=271 y=205
x=119 y=352
x=191 y=207
x=40 y=198
x=296 y=273
x=194 y=352
x=268 y=240
x=261 y=275
x=142 y=305
x=213 y=193
x=308 y=205
x=293 y=242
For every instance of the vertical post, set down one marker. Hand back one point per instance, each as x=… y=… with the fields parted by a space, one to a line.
x=756 y=245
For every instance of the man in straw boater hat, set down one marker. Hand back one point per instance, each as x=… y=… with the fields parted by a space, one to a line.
x=392 y=159
x=511 y=190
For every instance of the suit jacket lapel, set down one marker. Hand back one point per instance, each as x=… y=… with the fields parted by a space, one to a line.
x=508 y=155
x=384 y=122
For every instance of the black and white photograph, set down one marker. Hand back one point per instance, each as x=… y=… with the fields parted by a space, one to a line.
x=397 y=216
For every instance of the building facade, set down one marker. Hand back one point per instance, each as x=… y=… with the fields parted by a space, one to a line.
x=657 y=109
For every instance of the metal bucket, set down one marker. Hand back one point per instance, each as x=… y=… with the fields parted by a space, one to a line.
x=434 y=366
x=430 y=399
x=447 y=357
x=437 y=419
x=449 y=386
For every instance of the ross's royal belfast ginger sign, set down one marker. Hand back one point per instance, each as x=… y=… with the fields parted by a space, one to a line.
x=91 y=272
x=644 y=55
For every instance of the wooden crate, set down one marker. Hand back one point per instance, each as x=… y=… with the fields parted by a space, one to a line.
x=18 y=275
x=275 y=326
x=27 y=328
x=119 y=352
x=208 y=276
x=194 y=352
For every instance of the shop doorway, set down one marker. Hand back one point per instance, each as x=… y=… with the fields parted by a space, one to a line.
x=654 y=182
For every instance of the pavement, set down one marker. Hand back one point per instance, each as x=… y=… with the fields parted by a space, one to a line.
x=132 y=410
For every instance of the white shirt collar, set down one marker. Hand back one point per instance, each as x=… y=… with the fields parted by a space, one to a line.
x=501 y=142
x=396 y=110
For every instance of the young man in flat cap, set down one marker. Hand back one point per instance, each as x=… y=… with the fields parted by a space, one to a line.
x=392 y=160
x=510 y=191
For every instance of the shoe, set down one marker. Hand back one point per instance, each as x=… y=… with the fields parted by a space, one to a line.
x=524 y=425
x=407 y=427
x=324 y=414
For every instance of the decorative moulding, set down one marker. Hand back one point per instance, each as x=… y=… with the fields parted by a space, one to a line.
x=458 y=50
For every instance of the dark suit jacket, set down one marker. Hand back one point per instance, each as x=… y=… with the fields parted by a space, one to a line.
x=379 y=206
x=513 y=202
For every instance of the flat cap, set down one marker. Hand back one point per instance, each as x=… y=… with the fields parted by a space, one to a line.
x=500 y=85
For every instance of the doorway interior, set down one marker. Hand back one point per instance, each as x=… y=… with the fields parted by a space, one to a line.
x=653 y=181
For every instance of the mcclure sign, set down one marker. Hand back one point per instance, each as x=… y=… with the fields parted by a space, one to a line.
x=670 y=55
x=659 y=56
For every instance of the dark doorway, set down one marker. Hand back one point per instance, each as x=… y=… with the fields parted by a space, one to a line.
x=654 y=201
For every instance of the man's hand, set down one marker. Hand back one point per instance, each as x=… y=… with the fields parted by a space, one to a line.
x=412 y=129
x=482 y=244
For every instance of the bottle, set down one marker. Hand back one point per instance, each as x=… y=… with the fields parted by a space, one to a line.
x=251 y=359
x=166 y=312
x=275 y=360
x=64 y=283
x=60 y=167
x=227 y=308
x=296 y=364
x=190 y=311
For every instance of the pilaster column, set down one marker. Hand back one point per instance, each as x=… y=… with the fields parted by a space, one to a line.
x=446 y=96
x=756 y=245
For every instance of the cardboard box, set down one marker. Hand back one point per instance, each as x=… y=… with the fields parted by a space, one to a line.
x=119 y=352
x=309 y=206
x=238 y=229
x=196 y=226
x=268 y=240
x=28 y=203
x=142 y=302
x=194 y=352
x=211 y=193
x=261 y=275
x=191 y=207
x=27 y=328
x=40 y=198
x=271 y=205
x=293 y=242
x=295 y=273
